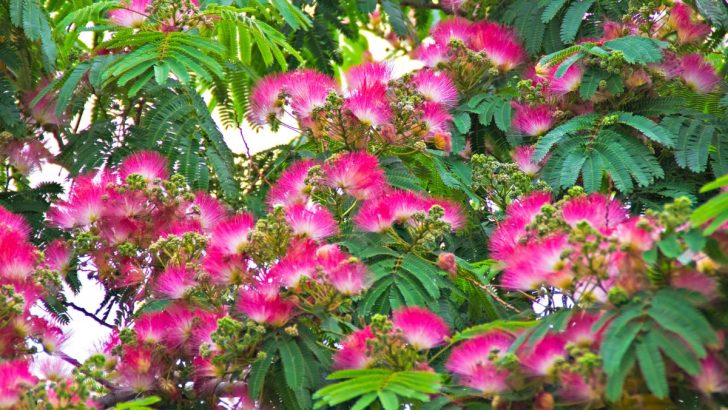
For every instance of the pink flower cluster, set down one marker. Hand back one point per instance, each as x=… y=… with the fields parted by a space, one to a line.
x=368 y=105
x=500 y=44
x=541 y=243
x=162 y=339
x=358 y=175
x=683 y=20
x=24 y=285
x=481 y=362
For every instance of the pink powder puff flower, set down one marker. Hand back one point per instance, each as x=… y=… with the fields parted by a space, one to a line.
x=58 y=256
x=291 y=186
x=568 y=82
x=519 y=214
x=311 y=221
x=472 y=362
x=453 y=212
x=670 y=66
x=231 y=235
x=14 y=223
x=308 y=89
x=174 y=282
x=420 y=327
x=179 y=326
x=573 y=388
x=697 y=282
x=133 y=13
x=44 y=110
x=369 y=105
x=224 y=269
x=149 y=164
x=375 y=215
x=532 y=120
x=206 y=325
x=265 y=99
x=151 y=328
x=635 y=237
x=523 y=156
x=209 y=211
x=17 y=258
x=265 y=309
x=613 y=30
x=348 y=278
x=698 y=74
x=452 y=29
x=500 y=44
x=405 y=204
x=436 y=86
x=580 y=330
x=354 y=352
x=50 y=337
x=541 y=360
x=27 y=156
x=14 y=376
x=368 y=75
x=137 y=369
x=291 y=270
x=85 y=203
x=535 y=263
x=711 y=378
x=601 y=212
x=346 y=274
x=436 y=118
x=432 y=54
x=355 y=173
x=689 y=30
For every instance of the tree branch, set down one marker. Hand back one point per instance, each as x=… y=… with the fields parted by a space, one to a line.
x=87 y=314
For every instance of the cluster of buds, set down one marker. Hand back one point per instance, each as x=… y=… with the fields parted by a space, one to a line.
x=503 y=182
x=374 y=109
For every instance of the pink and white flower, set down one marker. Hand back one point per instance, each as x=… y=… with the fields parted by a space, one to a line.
x=174 y=282
x=473 y=361
x=149 y=164
x=420 y=327
x=523 y=156
x=369 y=105
x=532 y=120
x=133 y=13
x=354 y=352
x=500 y=44
x=291 y=186
x=355 y=173
x=698 y=74
x=266 y=100
x=311 y=221
x=436 y=86
x=368 y=76
x=682 y=20
x=231 y=236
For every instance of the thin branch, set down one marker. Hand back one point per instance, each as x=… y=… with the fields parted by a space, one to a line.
x=87 y=314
